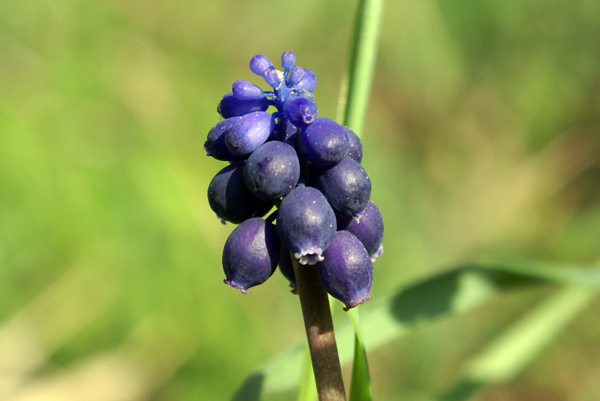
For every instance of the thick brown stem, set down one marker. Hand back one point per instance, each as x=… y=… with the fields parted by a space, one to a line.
x=320 y=334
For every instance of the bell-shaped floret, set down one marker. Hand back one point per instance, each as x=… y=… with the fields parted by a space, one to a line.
x=355 y=150
x=231 y=106
x=325 y=141
x=272 y=170
x=251 y=254
x=346 y=271
x=251 y=131
x=346 y=186
x=367 y=226
x=300 y=111
x=306 y=224
x=229 y=197
x=215 y=141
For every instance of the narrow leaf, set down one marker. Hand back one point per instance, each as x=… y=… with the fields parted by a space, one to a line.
x=387 y=318
x=308 y=387
x=360 y=389
x=560 y=273
x=511 y=352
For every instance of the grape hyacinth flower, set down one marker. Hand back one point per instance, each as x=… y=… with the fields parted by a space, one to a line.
x=346 y=270
x=231 y=106
x=249 y=132
x=272 y=171
x=306 y=224
x=368 y=228
x=308 y=166
x=215 y=142
x=251 y=254
x=346 y=185
x=325 y=142
x=229 y=197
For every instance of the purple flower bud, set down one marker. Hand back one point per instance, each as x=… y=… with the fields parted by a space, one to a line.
x=296 y=74
x=346 y=186
x=271 y=77
x=251 y=254
x=306 y=224
x=288 y=59
x=325 y=141
x=308 y=81
x=251 y=131
x=368 y=228
x=215 y=141
x=243 y=89
x=300 y=111
x=346 y=271
x=231 y=106
x=259 y=63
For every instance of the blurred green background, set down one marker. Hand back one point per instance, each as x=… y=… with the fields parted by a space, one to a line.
x=482 y=137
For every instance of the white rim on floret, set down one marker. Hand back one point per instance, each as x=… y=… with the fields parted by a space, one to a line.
x=310 y=256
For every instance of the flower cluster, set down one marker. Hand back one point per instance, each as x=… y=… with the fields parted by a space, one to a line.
x=307 y=166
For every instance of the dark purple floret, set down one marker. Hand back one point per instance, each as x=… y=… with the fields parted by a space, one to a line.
x=356 y=149
x=288 y=59
x=286 y=268
x=243 y=89
x=308 y=81
x=306 y=224
x=346 y=186
x=272 y=171
x=367 y=226
x=229 y=197
x=300 y=111
x=215 y=141
x=231 y=106
x=251 y=254
x=259 y=63
x=346 y=271
x=325 y=142
x=251 y=131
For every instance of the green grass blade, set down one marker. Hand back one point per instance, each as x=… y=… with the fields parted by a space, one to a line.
x=360 y=389
x=506 y=356
x=387 y=318
x=560 y=273
x=308 y=387
x=356 y=85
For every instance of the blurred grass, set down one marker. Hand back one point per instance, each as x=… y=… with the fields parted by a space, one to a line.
x=482 y=137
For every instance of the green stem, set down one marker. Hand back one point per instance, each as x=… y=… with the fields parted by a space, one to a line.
x=319 y=332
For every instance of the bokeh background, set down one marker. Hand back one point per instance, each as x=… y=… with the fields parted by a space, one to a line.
x=482 y=137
